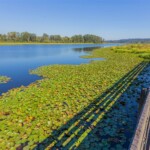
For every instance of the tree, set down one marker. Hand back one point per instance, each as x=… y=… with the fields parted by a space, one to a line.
x=25 y=36
x=45 y=38
x=3 y=37
x=66 y=39
x=13 y=36
x=32 y=37
x=77 y=39
x=89 y=38
x=55 y=38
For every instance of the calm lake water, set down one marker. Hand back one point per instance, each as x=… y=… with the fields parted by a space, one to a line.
x=16 y=61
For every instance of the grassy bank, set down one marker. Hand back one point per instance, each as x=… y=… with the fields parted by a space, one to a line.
x=69 y=97
x=4 y=79
x=142 y=50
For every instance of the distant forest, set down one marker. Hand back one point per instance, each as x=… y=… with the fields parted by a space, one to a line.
x=45 y=38
x=138 y=40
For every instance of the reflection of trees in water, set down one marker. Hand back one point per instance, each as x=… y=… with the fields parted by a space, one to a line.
x=85 y=49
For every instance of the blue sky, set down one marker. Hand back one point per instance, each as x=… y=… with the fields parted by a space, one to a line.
x=111 y=19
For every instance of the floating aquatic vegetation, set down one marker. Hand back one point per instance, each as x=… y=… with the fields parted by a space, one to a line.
x=4 y=79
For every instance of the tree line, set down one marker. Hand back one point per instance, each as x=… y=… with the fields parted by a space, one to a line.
x=45 y=38
x=136 y=40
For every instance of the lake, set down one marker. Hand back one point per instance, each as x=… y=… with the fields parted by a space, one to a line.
x=16 y=61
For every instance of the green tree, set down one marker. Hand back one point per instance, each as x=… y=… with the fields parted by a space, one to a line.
x=66 y=39
x=32 y=37
x=4 y=37
x=13 y=36
x=25 y=36
x=45 y=38
x=55 y=38
x=89 y=38
x=77 y=39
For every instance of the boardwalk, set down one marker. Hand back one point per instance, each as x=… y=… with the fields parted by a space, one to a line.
x=141 y=139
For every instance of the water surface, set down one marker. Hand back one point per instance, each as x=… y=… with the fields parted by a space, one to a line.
x=17 y=60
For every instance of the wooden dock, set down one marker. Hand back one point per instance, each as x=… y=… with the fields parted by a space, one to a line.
x=141 y=139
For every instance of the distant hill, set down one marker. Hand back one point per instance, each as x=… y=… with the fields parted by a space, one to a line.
x=138 y=40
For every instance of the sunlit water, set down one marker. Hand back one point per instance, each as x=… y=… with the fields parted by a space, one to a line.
x=16 y=61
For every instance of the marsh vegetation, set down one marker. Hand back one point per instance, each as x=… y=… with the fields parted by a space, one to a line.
x=142 y=50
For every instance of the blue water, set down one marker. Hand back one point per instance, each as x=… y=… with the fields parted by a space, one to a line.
x=16 y=61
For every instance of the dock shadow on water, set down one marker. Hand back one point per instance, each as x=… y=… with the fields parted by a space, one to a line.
x=106 y=123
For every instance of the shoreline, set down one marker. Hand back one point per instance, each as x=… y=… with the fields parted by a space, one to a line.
x=5 y=44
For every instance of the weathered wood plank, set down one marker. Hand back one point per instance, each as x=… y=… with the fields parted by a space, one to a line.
x=142 y=133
